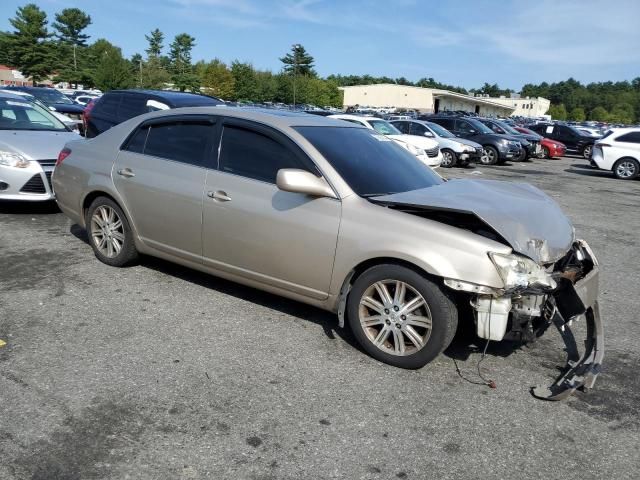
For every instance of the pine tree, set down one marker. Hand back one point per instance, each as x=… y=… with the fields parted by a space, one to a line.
x=298 y=62
x=182 y=71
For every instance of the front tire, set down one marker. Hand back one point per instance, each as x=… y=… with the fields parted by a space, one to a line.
x=400 y=317
x=489 y=156
x=449 y=158
x=546 y=153
x=110 y=234
x=626 y=168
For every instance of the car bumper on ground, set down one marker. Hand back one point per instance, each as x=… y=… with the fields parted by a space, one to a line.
x=32 y=184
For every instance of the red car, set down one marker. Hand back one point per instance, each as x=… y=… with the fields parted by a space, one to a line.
x=550 y=148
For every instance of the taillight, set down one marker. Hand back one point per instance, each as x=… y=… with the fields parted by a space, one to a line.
x=86 y=113
x=64 y=153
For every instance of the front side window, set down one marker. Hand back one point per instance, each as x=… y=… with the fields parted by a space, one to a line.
x=440 y=130
x=370 y=163
x=181 y=141
x=254 y=155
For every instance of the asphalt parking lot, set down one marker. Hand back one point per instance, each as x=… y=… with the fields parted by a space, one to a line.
x=159 y=372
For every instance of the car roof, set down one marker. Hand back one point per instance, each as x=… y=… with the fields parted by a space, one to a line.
x=347 y=116
x=276 y=118
x=13 y=96
x=177 y=99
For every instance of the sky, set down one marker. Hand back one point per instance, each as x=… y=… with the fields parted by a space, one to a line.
x=462 y=42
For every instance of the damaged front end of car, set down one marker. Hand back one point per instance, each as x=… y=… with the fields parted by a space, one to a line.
x=534 y=298
x=549 y=278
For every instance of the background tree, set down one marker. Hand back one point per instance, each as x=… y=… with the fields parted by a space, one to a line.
x=155 y=39
x=69 y=25
x=217 y=79
x=577 y=115
x=111 y=70
x=599 y=114
x=298 y=61
x=246 y=85
x=28 y=47
x=181 y=69
x=558 y=112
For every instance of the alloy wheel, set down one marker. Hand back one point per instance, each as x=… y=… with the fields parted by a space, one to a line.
x=587 y=152
x=488 y=156
x=447 y=159
x=395 y=317
x=626 y=169
x=107 y=231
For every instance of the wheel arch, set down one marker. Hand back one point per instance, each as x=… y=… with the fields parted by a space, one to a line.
x=362 y=267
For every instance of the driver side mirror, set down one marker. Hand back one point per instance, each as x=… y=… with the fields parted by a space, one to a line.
x=472 y=131
x=301 y=181
x=428 y=134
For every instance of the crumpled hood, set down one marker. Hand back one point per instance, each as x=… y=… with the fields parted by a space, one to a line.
x=527 y=218
x=416 y=140
x=35 y=145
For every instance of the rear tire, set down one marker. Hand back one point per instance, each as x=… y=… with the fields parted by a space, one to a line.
x=489 y=156
x=626 y=168
x=411 y=339
x=586 y=152
x=110 y=234
x=449 y=158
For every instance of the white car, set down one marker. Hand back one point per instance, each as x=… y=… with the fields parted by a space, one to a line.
x=68 y=121
x=455 y=150
x=426 y=149
x=619 y=152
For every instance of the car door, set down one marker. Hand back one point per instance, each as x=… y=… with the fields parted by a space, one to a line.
x=417 y=129
x=404 y=127
x=160 y=174
x=464 y=129
x=567 y=136
x=256 y=231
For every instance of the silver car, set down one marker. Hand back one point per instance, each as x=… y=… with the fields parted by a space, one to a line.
x=30 y=140
x=340 y=217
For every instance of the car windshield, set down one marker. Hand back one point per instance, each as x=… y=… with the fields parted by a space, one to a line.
x=50 y=95
x=439 y=130
x=479 y=126
x=508 y=128
x=370 y=163
x=384 y=127
x=20 y=114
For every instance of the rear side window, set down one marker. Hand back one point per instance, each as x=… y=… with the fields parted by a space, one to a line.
x=631 y=137
x=184 y=142
x=254 y=155
x=137 y=141
x=131 y=106
x=107 y=106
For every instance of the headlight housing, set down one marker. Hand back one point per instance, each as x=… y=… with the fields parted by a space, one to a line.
x=10 y=159
x=467 y=148
x=415 y=150
x=520 y=272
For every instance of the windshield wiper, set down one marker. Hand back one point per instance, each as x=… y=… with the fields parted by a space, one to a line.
x=367 y=195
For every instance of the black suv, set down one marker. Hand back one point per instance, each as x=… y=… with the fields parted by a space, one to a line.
x=530 y=142
x=574 y=140
x=495 y=148
x=117 y=106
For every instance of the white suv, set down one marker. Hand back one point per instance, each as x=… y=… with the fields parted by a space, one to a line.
x=619 y=151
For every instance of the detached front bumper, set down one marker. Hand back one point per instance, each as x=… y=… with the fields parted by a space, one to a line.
x=572 y=301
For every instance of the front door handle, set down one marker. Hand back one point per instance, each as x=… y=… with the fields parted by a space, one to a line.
x=219 y=195
x=126 y=172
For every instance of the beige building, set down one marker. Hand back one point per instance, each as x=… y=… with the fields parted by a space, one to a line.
x=534 y=107
x=10 y=76
x=425 y=100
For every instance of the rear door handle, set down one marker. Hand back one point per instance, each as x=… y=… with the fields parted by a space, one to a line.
x=126 y=172
x=219 y=195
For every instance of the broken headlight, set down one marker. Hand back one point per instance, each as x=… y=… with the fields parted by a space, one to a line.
x=518 y=271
